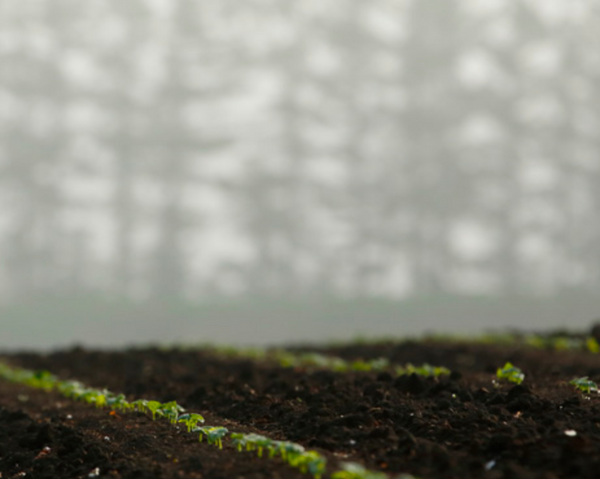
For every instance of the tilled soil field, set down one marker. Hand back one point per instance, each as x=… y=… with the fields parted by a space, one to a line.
x=459 y=426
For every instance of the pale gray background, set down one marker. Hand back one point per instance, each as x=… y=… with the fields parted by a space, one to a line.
x=273 y=170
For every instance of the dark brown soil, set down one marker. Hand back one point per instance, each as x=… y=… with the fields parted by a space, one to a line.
x=457 y=427
x=45 y=436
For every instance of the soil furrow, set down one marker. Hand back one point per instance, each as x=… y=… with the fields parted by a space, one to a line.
x=45 y=436
x=458 y=427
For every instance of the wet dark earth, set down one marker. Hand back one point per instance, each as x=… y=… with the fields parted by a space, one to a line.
x=461 y=426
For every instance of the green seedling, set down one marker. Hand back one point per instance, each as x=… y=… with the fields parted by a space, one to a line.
x=313 y=359
x=237 y=439
x=317 y=360
x=536 y=342
x=275 y=448
x=101 y=399
x=117 y=402
x=562 y=344
x=261 y=443
x=289 y=450
x=309 y=462
x=287 y=360
x=70 y=389
x=233 y=352
x=361 y=366
x=351 y=470
x=90 y=396
x=592 y=345
x=338 y=365
x=214 y=435
x=140 y=405
x=191 y=420
x=379 y=364
x=426 y=370
x=373 y=365
x=294 y=454
x=154 y=407
x=258 y=443
x=171 y=410
x=510 y=373
x=585 y=385
x=42 y=380
x=248 y=441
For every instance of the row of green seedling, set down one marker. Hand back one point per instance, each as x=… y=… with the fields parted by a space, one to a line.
x=351 y=470
x=310 y=462
x=553 y=343
x=288 y=359
x=294 y=454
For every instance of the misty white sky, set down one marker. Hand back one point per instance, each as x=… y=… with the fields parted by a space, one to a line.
x=246 y=114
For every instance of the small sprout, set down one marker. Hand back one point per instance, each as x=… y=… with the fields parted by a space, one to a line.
x=592 y=345
x=238 y=440
x=380 y=364
x=314 y=359
x=258 y=443
x=250 y=442
x=294 y=454
x=154 y=407
x=360 y=365
x=117 y=402
x=373 y=365
x=191 y=420
x=351 y=470
x=585 y=385
x=426 y=370
x=510 y=373
x=41 y=380
x=536 y=342
x=101 y=398
x=71 y=389
x=564 y=344
x=287 y=360
x=93 y=396
x=309 y=462
x=139 y=405
x=171 y=410
x=214 y=435
x=290 y=450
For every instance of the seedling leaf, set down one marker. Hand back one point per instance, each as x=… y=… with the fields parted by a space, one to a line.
x=585 y=385
x=510 y=373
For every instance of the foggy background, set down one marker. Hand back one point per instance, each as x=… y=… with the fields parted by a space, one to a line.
x=272 y=170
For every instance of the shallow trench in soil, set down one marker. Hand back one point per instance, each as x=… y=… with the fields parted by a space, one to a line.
x=459 y=426
x=44 y=436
